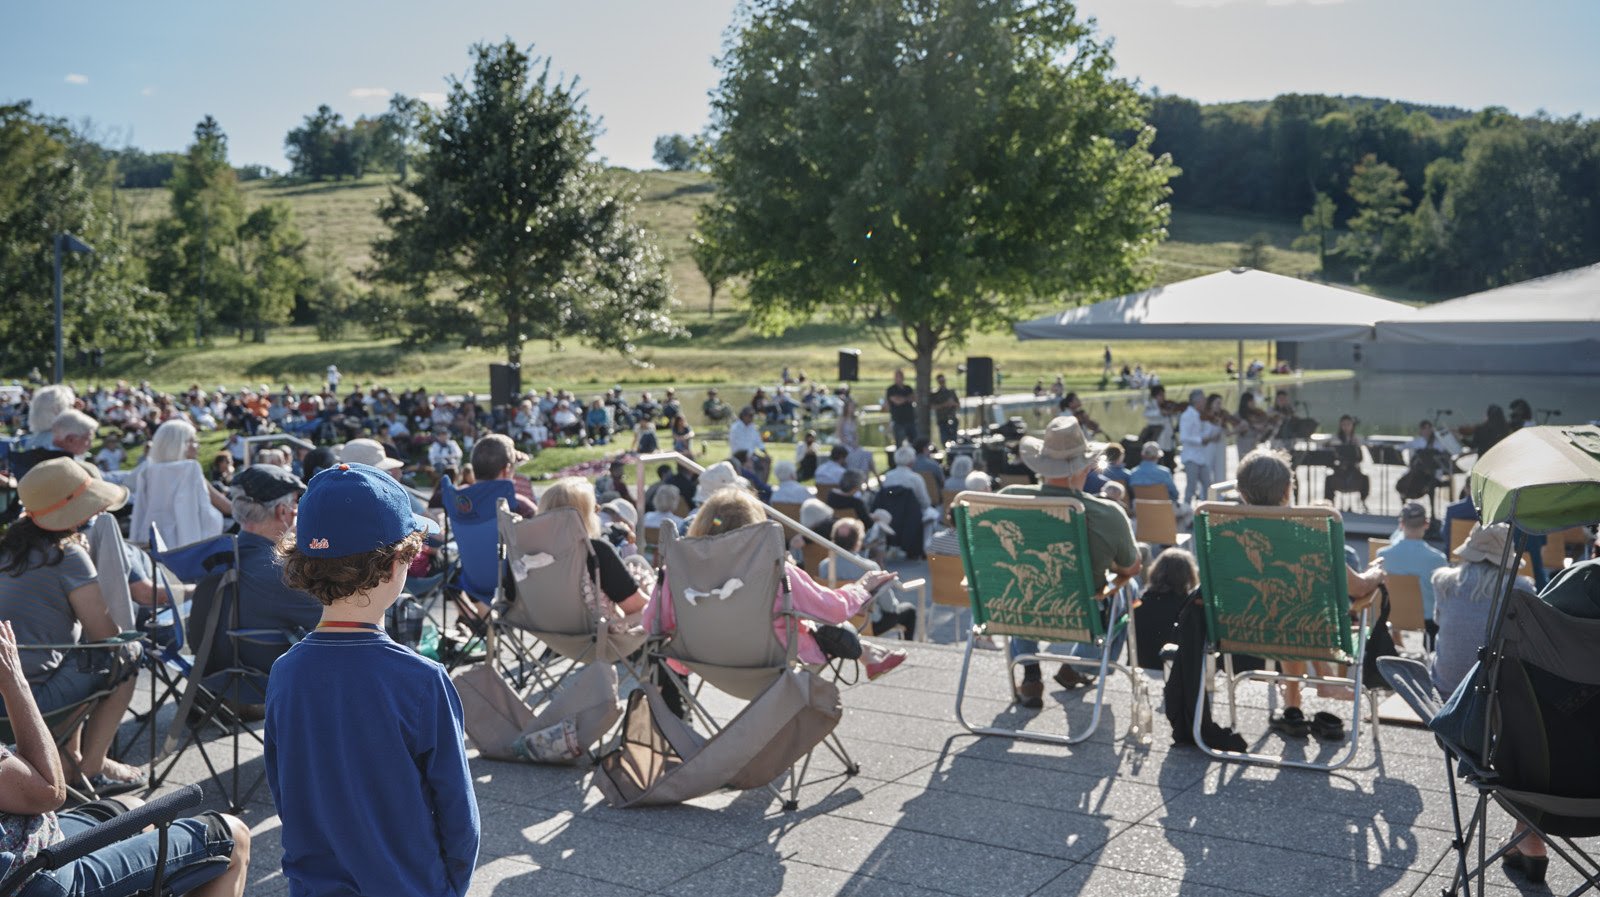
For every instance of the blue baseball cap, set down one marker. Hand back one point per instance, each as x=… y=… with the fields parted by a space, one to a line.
x=353 y=508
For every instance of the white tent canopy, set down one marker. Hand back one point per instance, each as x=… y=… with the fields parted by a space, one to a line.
x=1560 y=308
x=1238 y=304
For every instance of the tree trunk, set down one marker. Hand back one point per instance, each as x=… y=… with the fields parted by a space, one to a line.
x=711 y=306
x=513 y=325
x=927 y=345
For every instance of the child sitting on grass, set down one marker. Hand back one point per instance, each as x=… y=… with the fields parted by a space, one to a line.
x=364 y=749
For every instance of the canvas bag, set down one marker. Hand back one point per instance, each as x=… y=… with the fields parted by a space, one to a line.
x=660 y=760
x=497 y=719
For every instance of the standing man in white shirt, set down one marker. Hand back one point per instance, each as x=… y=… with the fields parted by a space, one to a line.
x=1196 y=435
x=745 y=433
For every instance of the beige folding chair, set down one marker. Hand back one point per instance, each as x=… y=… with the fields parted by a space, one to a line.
x=1151 y=492
x=789 y=509
x=1458 y=534
x=1374 y=546
x=1155 y=522
x=725 y=592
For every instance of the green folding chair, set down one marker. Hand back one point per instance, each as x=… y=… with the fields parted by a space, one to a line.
x=1028 y=574
x=1274 y=585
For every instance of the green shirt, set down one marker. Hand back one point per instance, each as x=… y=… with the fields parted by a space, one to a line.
x=1111 y=542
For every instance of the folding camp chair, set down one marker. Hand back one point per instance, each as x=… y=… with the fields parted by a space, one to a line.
x=723 y=591
x=550 y=558
x=1155 y=521
x=480 y=566
x=64 y=722
x=947 y=580
x=1520 y=728
x=160 y=626
x=161 y=813
x=218 y=673
x=1274 y=585
x=1026 y=559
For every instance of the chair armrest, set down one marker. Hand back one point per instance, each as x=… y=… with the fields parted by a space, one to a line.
x=161 y=811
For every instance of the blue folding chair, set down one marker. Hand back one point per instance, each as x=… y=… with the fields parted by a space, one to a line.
x=471 y=512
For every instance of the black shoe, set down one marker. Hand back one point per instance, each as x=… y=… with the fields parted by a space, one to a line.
x=1291 y=723
x=1030 y=694
x=1069 y=678
x=1326 y=726
x=1530 y=868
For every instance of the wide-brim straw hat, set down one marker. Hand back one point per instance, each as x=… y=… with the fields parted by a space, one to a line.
x=1486 y=544
x=61 y=494
x=369 y=452
x=1063 y=452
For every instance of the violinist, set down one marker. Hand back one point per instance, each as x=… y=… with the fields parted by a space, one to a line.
x=1073 y=405
x=1227 y=424
x=1255 y=425
x=1481 y=436
x=1158 y=413
x=1430 y=465
x=1282 y=417
x=1198 y=436
x=1346 y=475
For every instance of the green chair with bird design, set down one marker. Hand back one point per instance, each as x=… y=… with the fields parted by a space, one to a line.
x=1026 y=560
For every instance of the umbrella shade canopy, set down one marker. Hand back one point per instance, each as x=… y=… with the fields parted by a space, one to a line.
x=1546 y=478
x=1560 y=308
x=1237 y=304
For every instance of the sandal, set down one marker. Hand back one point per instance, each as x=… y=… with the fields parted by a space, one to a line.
x=1326 y=726
x=1291 y=723
x=106 y=786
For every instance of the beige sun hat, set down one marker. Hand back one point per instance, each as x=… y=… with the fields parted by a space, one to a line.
x=1486 y=544
x=61 y=494
x=1062 y=452
x=720 y=475
x=368 y=452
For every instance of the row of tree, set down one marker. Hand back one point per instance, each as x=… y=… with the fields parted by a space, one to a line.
x=1437 y=199
x=324 y=146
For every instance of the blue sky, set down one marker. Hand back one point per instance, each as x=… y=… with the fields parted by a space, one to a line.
x=146 y=72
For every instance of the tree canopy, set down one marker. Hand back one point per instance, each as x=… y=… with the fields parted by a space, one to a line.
x=507 y=232
x=928 y=168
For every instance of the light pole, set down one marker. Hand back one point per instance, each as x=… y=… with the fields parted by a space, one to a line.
x=68 y=243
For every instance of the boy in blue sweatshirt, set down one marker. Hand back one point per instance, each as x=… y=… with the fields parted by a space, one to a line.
x=364 y=749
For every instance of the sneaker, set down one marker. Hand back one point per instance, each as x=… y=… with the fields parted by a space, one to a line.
x=888 y=662
x=1031 y=695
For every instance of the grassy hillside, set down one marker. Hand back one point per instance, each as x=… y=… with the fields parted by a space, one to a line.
x=339 y=218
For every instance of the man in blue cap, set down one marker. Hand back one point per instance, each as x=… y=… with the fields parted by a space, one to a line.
x=364 y=749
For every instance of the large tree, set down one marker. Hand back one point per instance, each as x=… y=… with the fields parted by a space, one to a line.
x=45 y=189
x=508 y=232
x=193 y=250
x=928 y=167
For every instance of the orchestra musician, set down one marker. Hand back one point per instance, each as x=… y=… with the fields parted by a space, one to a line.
x=1481 y=436
x=1282 y=415
x=1346 y=475
x=1073 y=405
x=1430 y=465
x=1158 y=414
x=1226 y=425
x=1255 y=424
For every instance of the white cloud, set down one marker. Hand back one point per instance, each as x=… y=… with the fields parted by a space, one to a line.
x=369 y=93
x=432 y=97
x=76 y=78
x=147 y=92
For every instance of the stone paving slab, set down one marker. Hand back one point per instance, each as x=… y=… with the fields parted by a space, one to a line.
x=937 y=810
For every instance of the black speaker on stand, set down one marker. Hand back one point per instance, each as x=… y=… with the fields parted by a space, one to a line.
x=849 y=365
x=980 y=375
x=505 y=384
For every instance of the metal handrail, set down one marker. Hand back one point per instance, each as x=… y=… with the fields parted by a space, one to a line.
x=772 y=513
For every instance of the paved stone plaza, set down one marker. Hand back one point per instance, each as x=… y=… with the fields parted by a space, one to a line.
x=937 y=811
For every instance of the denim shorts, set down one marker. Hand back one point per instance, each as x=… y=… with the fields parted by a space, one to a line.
x=128 y=867
x=82 y=673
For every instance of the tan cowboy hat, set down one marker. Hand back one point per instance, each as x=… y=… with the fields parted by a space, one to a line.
x=1062 y=452
x=61 y=494
x=1486 y=544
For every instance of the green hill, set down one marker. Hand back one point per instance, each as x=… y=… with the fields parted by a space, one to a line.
x=340 y=217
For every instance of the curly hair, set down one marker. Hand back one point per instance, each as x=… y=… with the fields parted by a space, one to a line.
x=332 y=579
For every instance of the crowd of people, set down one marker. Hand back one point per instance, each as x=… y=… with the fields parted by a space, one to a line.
x=328 y=536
